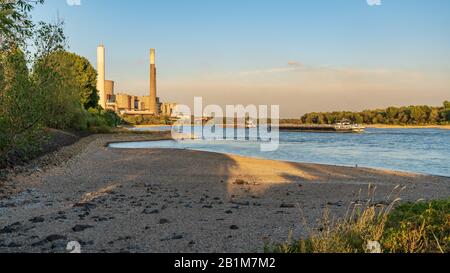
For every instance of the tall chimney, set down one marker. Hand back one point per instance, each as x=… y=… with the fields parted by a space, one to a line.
x=101 y=75
x=153 y=101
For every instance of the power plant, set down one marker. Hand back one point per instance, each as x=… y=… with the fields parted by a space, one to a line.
x=153 y=97
x=101 y=75
x=124 y=103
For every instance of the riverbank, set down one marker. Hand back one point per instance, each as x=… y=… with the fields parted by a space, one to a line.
x=120 y=200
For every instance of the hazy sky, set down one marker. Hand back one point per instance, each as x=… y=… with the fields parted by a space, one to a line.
x=315 y=55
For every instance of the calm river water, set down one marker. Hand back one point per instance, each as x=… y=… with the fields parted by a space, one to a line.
x=424 y=151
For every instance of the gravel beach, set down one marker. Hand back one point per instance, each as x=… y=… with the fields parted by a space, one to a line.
x=156 y=200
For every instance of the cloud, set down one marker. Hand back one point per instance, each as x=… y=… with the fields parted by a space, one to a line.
x=291 y=67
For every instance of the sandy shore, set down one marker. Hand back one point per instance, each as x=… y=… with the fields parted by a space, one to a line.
x=114 y=200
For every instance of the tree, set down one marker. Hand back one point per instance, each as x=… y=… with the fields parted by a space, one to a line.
x=447 y=104
x=81 y=70
x=445 y=112
x=358 y=118
x=391 y=115
x=19 y=106
x=15 y=23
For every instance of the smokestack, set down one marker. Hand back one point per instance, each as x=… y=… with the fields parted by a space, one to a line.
x=101 y=75
x=153 y=102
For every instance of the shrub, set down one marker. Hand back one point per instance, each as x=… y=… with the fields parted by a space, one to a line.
x=419 y=227
x=422 y=227
x=147 y=120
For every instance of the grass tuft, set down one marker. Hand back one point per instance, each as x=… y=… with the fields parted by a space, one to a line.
x=421 y=227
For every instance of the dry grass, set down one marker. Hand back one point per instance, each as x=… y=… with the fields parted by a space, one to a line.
x=371 y=227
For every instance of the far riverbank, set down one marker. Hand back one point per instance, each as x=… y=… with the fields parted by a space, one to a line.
x=383 y=126
x=376 y=126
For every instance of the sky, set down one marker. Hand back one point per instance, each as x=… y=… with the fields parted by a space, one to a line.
x=304 y=55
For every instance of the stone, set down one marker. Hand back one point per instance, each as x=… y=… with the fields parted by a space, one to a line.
x=11 y=228
x=177 y=237
x=163 y=221
x=336 y=204
x=287 y=206
x=55 y=237
x=147 y=211
x=36 y=220
x=79 y=228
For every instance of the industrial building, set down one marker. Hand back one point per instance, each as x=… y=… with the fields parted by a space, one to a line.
x=126 y=104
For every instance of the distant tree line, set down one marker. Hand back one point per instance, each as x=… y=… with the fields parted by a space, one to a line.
x=409 y=115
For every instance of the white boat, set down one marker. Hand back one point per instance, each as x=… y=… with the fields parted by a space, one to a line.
x=348 y=126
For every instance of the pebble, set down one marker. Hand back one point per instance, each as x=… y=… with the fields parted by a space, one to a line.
x=163 y=221
x=79 y=228
x=37 y=220
x=147 y=211
x=55 y=237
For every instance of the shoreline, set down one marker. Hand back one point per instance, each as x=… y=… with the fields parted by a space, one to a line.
x=376 y=126
x=184 y=201
x=382 y=126
x=261 y=158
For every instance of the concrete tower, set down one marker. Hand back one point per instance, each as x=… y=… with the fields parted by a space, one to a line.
x=101 y=75
x=153 y=102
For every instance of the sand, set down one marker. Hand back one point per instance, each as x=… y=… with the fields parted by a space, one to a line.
x=155 y=200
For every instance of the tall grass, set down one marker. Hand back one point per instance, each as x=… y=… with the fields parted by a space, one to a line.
x=372 y=227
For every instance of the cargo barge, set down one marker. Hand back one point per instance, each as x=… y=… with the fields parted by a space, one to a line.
x=342 y=127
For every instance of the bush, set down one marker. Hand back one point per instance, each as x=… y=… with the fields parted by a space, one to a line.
x=422 y=227
x=147 y=120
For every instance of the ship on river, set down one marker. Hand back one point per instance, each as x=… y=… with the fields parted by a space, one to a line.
x=345 y=126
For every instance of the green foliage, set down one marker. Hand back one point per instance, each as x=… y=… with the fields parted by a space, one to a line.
x=15 y=23
x=147 y=120
x=411 y=115
x=445 y=112
x=55 y=93
x=422 y=227
x=95 y=120
x=80 y=70
x=20 y=106
x=428 y=222
x=61 y=91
